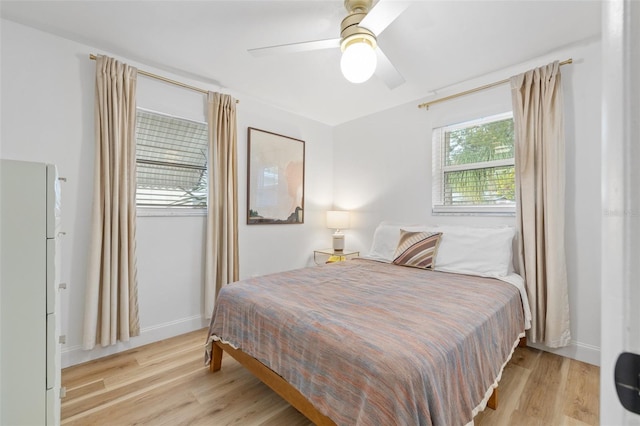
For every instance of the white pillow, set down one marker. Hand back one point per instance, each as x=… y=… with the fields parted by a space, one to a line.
x=475 y=251
x=385 y=241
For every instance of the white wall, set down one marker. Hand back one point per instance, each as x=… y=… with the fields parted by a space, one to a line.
x=382 y=171
x=47 y=92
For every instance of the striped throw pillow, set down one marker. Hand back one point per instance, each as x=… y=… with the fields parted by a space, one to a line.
x=417 y=249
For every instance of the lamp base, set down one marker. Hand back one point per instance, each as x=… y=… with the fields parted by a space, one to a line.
x=338 y=242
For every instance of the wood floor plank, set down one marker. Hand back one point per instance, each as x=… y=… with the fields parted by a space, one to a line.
x=527 y=358
x=521 y=418
x=126 y=403
x=71 y=407
x=514 y=379
x=85 y=389
x=150 y=370
x=570 y=421
x=581 y=396
x=543 y=388
x=94 y=370
x=166 y=383
x=256 y=400
x=168 y=349
x=287 y=416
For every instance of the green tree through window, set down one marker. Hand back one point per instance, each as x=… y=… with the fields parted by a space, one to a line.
x=476 y=163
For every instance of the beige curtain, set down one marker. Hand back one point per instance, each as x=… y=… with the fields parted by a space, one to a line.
x=111 y=311
x=221 y=253
x=540 y=194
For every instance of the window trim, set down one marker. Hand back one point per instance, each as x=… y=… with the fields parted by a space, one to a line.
x=439 y=169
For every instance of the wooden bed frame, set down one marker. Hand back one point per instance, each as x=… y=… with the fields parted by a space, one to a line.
x=284 y=389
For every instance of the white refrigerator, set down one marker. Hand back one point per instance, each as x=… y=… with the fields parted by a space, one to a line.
x=29 y=301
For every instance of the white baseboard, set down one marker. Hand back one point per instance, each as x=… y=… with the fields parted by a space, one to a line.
x=76 y=355
x=576 y=350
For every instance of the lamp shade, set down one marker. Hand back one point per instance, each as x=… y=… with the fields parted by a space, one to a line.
x=337 y=219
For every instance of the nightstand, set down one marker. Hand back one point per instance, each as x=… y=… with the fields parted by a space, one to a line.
x=329 y=255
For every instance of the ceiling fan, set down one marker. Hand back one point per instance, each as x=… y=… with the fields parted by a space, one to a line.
x=361 y=56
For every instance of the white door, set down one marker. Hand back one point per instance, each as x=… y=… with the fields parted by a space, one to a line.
x=620 y=199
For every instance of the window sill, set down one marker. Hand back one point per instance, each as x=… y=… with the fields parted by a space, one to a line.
x=473 y=211
x=169 y=212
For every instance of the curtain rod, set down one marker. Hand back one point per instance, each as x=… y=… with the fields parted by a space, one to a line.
x=165 y=79
x=477 y=89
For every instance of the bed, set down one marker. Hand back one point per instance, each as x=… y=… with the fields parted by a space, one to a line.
x=370 y=342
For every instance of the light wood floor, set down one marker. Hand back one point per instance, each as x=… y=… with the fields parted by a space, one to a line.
x=166 y=383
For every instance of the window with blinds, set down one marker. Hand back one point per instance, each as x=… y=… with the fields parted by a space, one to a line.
x=171 y=159
x=474 y=167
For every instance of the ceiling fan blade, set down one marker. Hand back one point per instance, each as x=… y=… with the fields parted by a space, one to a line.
x=296 y=47
x=382 y=15
x=387 y=72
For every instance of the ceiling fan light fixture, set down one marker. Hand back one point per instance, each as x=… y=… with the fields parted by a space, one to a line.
x=359 y=60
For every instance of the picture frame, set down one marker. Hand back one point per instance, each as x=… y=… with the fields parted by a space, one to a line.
x=275 y=178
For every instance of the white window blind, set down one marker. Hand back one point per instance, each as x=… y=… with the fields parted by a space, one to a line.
x=171 y=158
x=474 y=168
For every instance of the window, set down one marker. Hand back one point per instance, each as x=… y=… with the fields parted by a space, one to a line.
x=474 y=168
x=171 y=158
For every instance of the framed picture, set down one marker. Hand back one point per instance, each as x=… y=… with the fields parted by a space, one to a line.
x=275 y=182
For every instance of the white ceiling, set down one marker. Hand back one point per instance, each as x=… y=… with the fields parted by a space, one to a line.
x=433 y=44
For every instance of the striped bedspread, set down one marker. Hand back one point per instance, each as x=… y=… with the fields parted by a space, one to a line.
x=370 y=343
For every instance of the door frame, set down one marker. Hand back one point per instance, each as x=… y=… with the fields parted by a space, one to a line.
x=620 y=279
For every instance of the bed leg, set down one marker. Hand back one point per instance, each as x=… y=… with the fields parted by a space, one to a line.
x=493 y=400
x=216 y=358
x=523 y=342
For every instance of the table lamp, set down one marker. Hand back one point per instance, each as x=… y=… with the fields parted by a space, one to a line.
x=338 y=220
